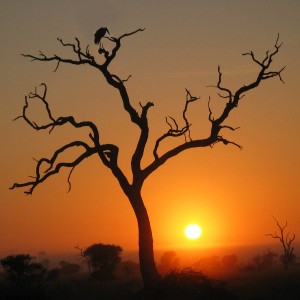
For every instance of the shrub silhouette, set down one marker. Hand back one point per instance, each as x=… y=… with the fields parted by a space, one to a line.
x=20 y=269
x=102 y=260
x=189 y=284
x=168 y=262
x=68 y=268
x=24 y=278
x=229 y=261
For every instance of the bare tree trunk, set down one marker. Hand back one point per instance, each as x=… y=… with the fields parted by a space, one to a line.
x=148 y=268
x=286 y=240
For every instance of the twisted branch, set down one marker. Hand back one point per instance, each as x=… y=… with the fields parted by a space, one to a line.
x=109 y=153
x=217 y=125
x=176 y=131
x=46 y=167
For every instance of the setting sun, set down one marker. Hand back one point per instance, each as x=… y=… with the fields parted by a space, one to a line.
x=192 y=232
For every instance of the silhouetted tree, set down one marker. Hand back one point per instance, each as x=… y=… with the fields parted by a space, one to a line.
x=25 y=276
x=191 y=284
x=102 y=260
x=259 y=262
x=128 y=269
x=209 y=263
x=286 y=240
x=53 y=274
x=68 y=268
x=109 y=153
x=21 y=269
x=268 y=259
x=168 y=262
x=229 y=261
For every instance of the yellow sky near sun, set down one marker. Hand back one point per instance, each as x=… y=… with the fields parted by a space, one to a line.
x=230 y=193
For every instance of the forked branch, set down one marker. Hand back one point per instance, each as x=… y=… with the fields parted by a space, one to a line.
x=83 y=57
x=217 y=122
x=286 y=240
x=41 y=175
x=109 y=153
x=174 y=130
x=266 y=62
x=233 y=98
x=46 y=167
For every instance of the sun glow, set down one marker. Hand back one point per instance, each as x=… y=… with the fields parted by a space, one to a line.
x=193 y=232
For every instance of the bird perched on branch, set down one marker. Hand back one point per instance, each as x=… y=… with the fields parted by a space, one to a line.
x=100 y=33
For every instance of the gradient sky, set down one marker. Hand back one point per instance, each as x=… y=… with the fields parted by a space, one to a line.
x=231 y=194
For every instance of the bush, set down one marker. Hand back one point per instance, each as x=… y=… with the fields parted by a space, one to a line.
x=102 y=260
x=24 y=279
x=189 y=284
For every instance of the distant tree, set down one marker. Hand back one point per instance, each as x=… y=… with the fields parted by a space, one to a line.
x=209 y=263
x=128 y=269
x=68 y=268
x=267 y=259
x=25 y=277
x=21 y=269
x=229 y=261
x=53 y=274
x=168 y=262
x=45 y=263
x=102 y=260
x=108 y=153
x=286 y=240
x=191 y=284
x=260 y=261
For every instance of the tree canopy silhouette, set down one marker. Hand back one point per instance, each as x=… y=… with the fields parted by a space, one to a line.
x=21 y=269
x=25 y=278
x=101 y=259
x=108 y=153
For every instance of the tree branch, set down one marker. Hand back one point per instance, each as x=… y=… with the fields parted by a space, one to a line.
x=42 y=176
x=86 y=58
x=109 y=158
x=82 y=57
x=233 y=99
x=286 y=241
x=108 y=153
x=175 y=131
x=140 y=148
x=117 y=41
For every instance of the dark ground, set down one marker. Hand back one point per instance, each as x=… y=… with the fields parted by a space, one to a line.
x=272 y=283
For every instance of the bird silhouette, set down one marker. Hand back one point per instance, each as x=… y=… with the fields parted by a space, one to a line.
x=100 y=33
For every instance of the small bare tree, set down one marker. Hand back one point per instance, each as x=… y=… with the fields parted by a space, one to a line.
x=108 y=153
x=286 y=240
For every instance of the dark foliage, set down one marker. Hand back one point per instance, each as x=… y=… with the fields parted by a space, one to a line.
x=102 y=260
x=168 y=262
x=20 y=269
x=53 y=274
x=24 y=279
x=189 y=284
x=68 y=268
x=229 y=261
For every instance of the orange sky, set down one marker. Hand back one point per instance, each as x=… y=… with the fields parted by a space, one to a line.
x=231 y=194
